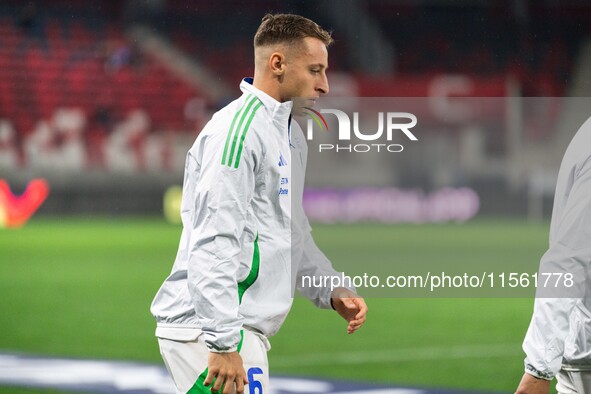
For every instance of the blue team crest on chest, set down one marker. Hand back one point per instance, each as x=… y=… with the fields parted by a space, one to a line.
x=282 y=161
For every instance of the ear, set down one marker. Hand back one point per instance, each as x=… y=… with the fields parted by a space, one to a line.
x=277 y=63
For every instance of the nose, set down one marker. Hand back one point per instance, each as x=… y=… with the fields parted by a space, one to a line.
x=322 y=87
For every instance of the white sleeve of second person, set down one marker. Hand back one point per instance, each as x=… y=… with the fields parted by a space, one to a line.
x=222 y=196
x=569 y=252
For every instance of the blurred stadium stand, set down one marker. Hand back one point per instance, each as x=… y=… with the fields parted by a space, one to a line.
x=71 y=56
x=114 y=91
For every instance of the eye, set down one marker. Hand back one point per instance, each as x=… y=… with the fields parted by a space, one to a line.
x=314 y=71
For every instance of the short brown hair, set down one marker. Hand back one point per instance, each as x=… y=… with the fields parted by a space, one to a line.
x=288 y=28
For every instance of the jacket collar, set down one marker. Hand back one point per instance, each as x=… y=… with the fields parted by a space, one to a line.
x=277 y=111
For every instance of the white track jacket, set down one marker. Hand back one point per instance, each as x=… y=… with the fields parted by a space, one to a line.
x=245 y=239
x=559 y=334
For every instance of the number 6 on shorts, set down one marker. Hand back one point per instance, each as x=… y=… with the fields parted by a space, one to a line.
x=255 y=387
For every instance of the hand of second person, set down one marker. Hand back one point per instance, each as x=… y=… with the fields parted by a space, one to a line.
x=531 y=385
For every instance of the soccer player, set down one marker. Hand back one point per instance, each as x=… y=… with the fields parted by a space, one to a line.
x=558 y=341
x=246 y=241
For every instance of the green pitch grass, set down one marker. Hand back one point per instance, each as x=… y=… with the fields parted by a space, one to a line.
x=83 y=287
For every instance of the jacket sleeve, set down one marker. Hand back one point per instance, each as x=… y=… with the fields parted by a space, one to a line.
x=315 y=273
x=569 y=253
x=312 y=270
x=221 y=199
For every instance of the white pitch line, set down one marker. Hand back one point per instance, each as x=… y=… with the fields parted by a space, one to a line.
x=385 y=391
x=400 y=355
